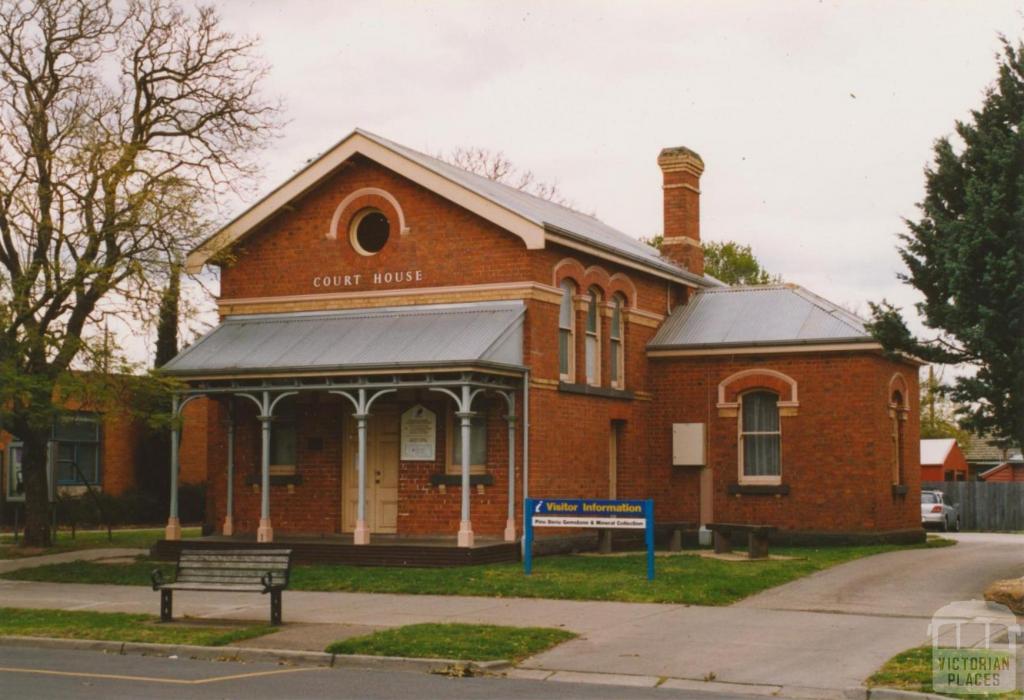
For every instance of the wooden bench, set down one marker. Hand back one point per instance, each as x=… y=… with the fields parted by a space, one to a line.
x=230 y=571
x=675 y=535
x=757 y=538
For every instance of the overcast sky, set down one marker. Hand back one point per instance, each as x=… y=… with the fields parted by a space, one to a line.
x=815 y=120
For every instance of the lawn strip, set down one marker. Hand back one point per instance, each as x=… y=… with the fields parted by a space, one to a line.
x=682 y=579
x=119 y=627
x=455 y=641
x=133 y=538
x=912 y=670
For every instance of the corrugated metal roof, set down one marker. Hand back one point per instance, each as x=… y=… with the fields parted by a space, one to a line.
x=555 y=217
x=935 y=450
x=768 y=315
x=407 y=337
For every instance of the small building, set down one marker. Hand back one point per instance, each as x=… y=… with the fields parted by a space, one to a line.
x=1011 y=470
x=91 y=445
x=942 y=460
x=983 y=453
x=407 y=349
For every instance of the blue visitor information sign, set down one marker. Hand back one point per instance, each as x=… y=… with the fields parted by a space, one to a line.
x=588 y=513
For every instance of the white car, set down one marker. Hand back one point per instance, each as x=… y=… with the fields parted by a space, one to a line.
x=935 y=512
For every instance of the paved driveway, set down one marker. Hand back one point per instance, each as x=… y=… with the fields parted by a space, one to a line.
x=828 y=630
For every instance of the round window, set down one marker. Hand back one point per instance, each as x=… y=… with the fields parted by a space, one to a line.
x=370 y=230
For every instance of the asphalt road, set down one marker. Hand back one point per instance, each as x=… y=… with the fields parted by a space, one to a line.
x=29 y=673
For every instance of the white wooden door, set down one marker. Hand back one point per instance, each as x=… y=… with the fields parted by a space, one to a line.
x=382 y=452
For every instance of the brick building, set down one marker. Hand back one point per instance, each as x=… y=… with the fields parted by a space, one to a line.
x=407 y=348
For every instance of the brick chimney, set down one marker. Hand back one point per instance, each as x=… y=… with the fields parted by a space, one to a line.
x=681 y=169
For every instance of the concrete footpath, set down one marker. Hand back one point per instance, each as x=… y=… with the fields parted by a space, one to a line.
x=829 y=631
x=8 y=565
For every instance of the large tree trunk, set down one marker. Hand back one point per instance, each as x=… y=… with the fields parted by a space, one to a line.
x=37 y=492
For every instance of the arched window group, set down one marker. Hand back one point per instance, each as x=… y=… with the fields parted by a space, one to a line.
x=604 y=330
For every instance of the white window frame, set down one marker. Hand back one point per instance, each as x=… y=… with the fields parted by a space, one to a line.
x=618 y=359
x=9 y=471
x=568 y=294
x=765 y=479
x=592 y=342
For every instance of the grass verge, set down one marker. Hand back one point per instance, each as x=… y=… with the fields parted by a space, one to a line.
x=912 y=670
x=120 y=627
x=683 y=579
x=455 y=641
x=141 y=538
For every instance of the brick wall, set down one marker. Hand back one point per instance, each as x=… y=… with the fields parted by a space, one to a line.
x=837 y=451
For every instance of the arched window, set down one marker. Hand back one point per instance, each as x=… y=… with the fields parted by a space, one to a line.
x=617 y=333
x=898 y=413
x=567 y=333
x=760 y=438
x=593 y=349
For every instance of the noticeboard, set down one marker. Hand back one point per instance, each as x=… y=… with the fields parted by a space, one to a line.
x=419 y=435
x=587 y=513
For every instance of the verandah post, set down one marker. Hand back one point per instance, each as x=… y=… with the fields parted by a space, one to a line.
x=229 y=524
x=510 y=522
x=465 y=538
x=265 y=532
x=361 y=535
x=173 y=529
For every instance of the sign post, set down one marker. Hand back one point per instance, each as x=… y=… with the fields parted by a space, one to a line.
x=588 y=513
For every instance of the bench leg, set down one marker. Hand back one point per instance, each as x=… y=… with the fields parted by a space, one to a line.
x=165 y=605
x=275 y=607
x=758 y=546
x=604 y=541
x=676 y=543
x=723 y=542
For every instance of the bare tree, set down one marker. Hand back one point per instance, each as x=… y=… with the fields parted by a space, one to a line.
x=495 y=165
x=121 y=125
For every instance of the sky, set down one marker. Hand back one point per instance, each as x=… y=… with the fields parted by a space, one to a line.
x=815 y=120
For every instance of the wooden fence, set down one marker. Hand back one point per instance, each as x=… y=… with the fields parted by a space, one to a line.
x=984 y=505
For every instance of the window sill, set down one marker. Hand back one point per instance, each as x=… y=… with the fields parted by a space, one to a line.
x=758 y=489
x=276 y=480
x=456 y=479
x=899 y=490
x=588 y=390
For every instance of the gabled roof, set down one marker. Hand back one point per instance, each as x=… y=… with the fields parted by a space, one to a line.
x=778 y=314
x=982 y=449
x=336 y=342
x=532 y=218
x=1015 y=462
x=936 y=450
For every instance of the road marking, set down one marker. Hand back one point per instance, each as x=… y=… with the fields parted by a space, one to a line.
x=150 y=679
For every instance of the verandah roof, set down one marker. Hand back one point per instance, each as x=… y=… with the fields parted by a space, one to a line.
x=429 y=337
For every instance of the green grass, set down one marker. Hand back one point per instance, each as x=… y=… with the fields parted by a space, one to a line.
x=120 y=627
x=686 y=578
x=912 y=670
x=142 y=538
x=455 y=641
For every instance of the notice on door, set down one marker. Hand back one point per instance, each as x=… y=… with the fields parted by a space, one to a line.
x=419 y=435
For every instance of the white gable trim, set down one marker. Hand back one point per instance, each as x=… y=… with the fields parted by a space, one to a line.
x=531 y=233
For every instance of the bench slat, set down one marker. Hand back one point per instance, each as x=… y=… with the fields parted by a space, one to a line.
x=219 y=560
x=233 y=565
x=236 y=588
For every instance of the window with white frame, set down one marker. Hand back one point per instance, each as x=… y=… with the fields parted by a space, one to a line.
x=567 y=333
x=283 y=439
x=477 y=444
x=78 y=448
x=593 y=349
x=15 y=476
x=760 y=438
x=616 y=334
